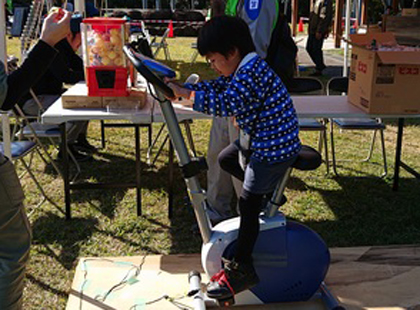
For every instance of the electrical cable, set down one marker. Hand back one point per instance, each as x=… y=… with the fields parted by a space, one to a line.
x=122 y=283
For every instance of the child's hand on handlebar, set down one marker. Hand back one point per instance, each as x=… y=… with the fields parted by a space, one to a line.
x=180 y=91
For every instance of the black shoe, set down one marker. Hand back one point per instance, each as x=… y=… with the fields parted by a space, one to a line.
x=232 y=279
x=84 y=146
x=79 y=156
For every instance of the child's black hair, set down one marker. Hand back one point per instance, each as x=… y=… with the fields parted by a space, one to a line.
x=222 y=34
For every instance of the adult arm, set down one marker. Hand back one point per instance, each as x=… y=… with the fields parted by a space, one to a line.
x=20 y=81
x=40 y=57
x=67 y=66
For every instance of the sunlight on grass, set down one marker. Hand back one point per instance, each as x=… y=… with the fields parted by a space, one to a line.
x=356 y=208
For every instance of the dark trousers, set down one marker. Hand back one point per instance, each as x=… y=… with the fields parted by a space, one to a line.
x=314 y=49
x=15 y=238
x=249 y=206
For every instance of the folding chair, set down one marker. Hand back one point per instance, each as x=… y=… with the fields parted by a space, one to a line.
x=195 y=52
x=152 y=145
x=305 y=86
x=36 y=130
x=340 y=85
x=21 y=149
x=161 y=45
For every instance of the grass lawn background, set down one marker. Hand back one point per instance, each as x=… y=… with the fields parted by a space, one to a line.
x=355 y=209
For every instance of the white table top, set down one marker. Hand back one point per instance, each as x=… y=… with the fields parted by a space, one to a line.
x=56 y=114
x=306 y=107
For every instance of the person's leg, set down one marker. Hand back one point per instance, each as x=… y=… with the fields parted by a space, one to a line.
x=229 y=161
x=318 y=56
x=32 y=106
x=233 y=136
x=239 y=273
x=314 y=49
x=15 y=238
x=250 y=207
x=310 y=46
x=81 y=142
x=78 y=128
x=219 y=183
x=260 y=178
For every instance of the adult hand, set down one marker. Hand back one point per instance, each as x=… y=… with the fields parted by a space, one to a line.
x=53 y=30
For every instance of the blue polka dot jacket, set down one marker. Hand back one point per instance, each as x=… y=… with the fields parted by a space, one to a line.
x=257 y=98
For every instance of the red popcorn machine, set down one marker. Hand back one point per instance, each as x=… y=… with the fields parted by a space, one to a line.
x=103 y=57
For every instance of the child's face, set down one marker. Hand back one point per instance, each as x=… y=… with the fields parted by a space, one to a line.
x=224 y=65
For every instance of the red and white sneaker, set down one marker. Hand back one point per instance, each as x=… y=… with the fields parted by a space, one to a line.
x=233 y=278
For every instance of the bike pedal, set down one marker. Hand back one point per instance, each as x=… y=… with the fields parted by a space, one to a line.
x=227 y=302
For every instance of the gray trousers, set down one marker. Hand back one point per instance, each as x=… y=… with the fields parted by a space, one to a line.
x=220 y=185
x=15 y=237
x=32 y=108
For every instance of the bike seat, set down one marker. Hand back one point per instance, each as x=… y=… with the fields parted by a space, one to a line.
x=307 y=159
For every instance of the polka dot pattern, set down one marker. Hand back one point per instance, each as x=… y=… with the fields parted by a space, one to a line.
x=258 y=99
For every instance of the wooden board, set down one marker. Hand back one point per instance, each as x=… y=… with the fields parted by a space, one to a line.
x=361 y=278
x=76 y=97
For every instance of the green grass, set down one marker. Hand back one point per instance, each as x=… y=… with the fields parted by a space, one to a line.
x=355 y=209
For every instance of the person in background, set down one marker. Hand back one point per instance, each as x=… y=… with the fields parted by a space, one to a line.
x=221 y=187
x=91 y=10
x=273 y=42
x=249 y=90
x=15 y=232
x=67 y=68
x=320 y=19
x=271 y=34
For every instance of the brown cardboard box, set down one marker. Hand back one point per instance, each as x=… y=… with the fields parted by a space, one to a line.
x=136 y=100
x=76 y=97
x=384 y=82
x=410 y=12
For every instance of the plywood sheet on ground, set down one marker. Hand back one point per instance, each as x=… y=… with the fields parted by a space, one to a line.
x=362 y=278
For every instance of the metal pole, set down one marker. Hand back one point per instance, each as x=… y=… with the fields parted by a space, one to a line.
x=346 y=44
x=79 y=6
x=3 y=57
x=198 y=198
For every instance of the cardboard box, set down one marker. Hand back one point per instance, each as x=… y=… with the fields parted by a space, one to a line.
x=136 y=100
x=410 y=12
x=76 y=97
x=384 y=82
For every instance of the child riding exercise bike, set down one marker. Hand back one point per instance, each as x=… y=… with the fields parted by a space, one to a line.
x=257 y=257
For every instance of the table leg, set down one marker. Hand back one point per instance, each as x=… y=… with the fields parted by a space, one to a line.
x=66 y=173
x=189 y=136
x=103 y=133
x=7 y=149
x=398 y=154
x=138 y=179
x=171 y=180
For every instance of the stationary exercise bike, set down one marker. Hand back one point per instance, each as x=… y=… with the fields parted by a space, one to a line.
x=291 y=260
